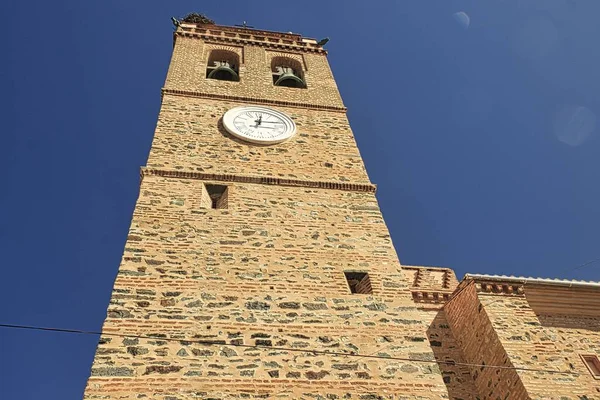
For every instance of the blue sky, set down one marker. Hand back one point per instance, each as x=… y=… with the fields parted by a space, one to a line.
x=484 y=143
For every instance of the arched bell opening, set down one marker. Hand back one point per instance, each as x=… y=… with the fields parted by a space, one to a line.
x=287 y=72
x=222 y=71
x=286 y=76
x=223 y=65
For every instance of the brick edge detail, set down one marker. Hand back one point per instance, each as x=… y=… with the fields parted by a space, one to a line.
x=430 y=296
x=188 y=93
x=261 y=180
x=500 y=288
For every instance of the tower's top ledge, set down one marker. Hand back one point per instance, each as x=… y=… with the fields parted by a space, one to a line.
x=245 y=34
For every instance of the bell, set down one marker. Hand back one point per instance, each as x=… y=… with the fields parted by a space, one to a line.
x=288 y=78
x=222 y=71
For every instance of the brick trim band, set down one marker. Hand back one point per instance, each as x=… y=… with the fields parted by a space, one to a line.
x=500 y=288
x=261 y=180
x=254 y=100
x=430 y=296
x=236 y=39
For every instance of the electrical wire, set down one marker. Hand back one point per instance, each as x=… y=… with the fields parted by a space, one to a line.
x=586 y=264
x=576 y=267
x=319 y=352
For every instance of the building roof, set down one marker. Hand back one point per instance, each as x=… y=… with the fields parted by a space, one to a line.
x=526 y=280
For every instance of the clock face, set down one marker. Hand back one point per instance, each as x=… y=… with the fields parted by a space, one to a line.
x=258 y=124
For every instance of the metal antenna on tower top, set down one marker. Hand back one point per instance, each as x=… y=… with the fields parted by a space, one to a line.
x=244 y=25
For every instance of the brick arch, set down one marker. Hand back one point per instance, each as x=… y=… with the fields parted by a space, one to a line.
x=287 y=60
x=284 y=54
x=210 y=47
x=232 y=57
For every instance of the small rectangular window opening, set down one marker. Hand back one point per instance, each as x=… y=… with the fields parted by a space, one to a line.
x=218 y=195
x=359 y=282
x=592 y=362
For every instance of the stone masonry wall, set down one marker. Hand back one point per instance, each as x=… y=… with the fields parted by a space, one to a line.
x=267 y=271
x=190 y=137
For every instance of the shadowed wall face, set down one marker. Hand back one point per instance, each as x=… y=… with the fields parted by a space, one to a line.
x=447 y=351
x=479 y=342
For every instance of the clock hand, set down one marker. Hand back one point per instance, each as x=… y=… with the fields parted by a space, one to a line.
x=272 y=122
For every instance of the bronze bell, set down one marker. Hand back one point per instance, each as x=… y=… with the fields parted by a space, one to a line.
x=223 y=71
x=285 y=76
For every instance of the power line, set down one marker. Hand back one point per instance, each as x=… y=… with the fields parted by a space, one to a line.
x=586 y=264
x=319 y=352
x=576 y=267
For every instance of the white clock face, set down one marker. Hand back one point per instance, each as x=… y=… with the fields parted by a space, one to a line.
x=258 y=124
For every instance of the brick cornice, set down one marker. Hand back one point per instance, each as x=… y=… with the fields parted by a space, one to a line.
x=491 y=287
x=261 y=180
x=500 y=284
x=544 y=296
x=500 y=288
x=274 y=40
x=253 y=100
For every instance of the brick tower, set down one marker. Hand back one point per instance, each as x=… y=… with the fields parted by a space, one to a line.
x=264 y=269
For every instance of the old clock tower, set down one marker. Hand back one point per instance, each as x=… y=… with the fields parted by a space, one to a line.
x=258 y=264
